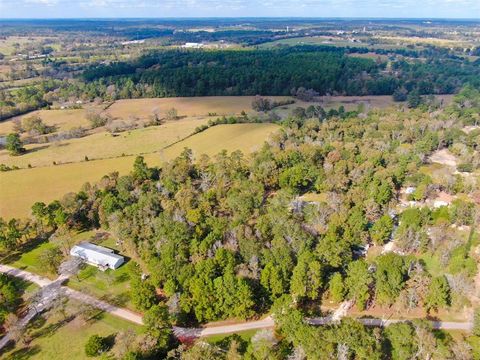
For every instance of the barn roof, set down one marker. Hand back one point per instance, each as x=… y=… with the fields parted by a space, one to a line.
x=97 y=255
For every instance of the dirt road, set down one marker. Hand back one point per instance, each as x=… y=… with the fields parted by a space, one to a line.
x=265 y=323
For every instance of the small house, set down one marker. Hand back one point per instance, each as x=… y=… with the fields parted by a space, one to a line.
x=410 y=190
x=99 y=256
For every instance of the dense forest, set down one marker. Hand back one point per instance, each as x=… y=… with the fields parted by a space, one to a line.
x=324 y=69
x=236 y=237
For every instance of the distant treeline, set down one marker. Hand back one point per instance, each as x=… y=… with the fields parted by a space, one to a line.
x=428 y=52
x=246 y=37
x=324 y=69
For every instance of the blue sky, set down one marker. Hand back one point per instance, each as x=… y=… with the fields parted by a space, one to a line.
x=239 y=8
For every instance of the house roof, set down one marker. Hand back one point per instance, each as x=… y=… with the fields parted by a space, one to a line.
x=96 y=254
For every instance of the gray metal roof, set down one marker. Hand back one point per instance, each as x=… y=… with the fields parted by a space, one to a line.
x=97 y=255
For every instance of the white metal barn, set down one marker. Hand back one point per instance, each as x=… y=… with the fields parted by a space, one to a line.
x=98 y=256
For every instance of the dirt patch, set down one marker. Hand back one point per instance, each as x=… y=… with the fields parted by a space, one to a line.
x=445 y=197
x=444 y=157
x=470 y=128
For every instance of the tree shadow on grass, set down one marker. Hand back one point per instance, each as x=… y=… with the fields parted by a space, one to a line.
x=35 y=149
x=91 y=314
x=120 y=300
x=110 y=341
x=25 y=248
x=24 y=353
x=226 y=341
x=38 y=322
x=50 y=329
x=122 y=278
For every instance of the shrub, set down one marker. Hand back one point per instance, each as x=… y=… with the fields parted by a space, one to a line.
x=465 y=167
x=14 y=145
x=95 y=346
x=476 y=322
x=399 y=95
x=96 y=119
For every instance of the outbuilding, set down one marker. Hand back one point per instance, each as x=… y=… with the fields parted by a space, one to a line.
x=99 y=256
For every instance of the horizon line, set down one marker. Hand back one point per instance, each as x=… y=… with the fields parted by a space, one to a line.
x=242 y=17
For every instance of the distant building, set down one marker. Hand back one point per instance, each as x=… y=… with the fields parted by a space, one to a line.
x=410 y=190
x=132 y=42
x=440 y=203
x=192 y=45
x=99 y=256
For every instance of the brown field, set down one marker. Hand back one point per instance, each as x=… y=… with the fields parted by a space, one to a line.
x=198 y=107
x=103 y=145
x=7 y=45
x=426 y=41
x=19 y=189
x=231 y=105
x=186 y=106
x=15 y=84
x=381 y=101
x=244 y=137
x=62 y=119
x=4 y=71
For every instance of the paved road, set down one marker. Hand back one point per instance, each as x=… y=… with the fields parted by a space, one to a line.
x=208 y=330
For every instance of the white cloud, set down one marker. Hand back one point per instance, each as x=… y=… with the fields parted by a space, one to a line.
x=41 y=2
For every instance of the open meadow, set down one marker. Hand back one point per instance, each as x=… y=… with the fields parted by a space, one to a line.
x=62 y=120
x=186 y=106
x=234 y=105
x=375 y=42
x=103 y=145
x=10 y=43
x=19 y=189
x=199 y=108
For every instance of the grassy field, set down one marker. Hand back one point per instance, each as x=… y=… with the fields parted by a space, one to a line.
x=244 y=137
x=62 y=119
x=103 y=145
x=199 y=108
x=382 y=42
x=56 y=339
x=229 y=105
x=313 y=197
x=442 y=42
x=186 y=106
x=7 y=46
x=21 y=188
x=334 y=41
x=29 y=260
x=245 y=335
x=113 y=286
x=309 y=40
